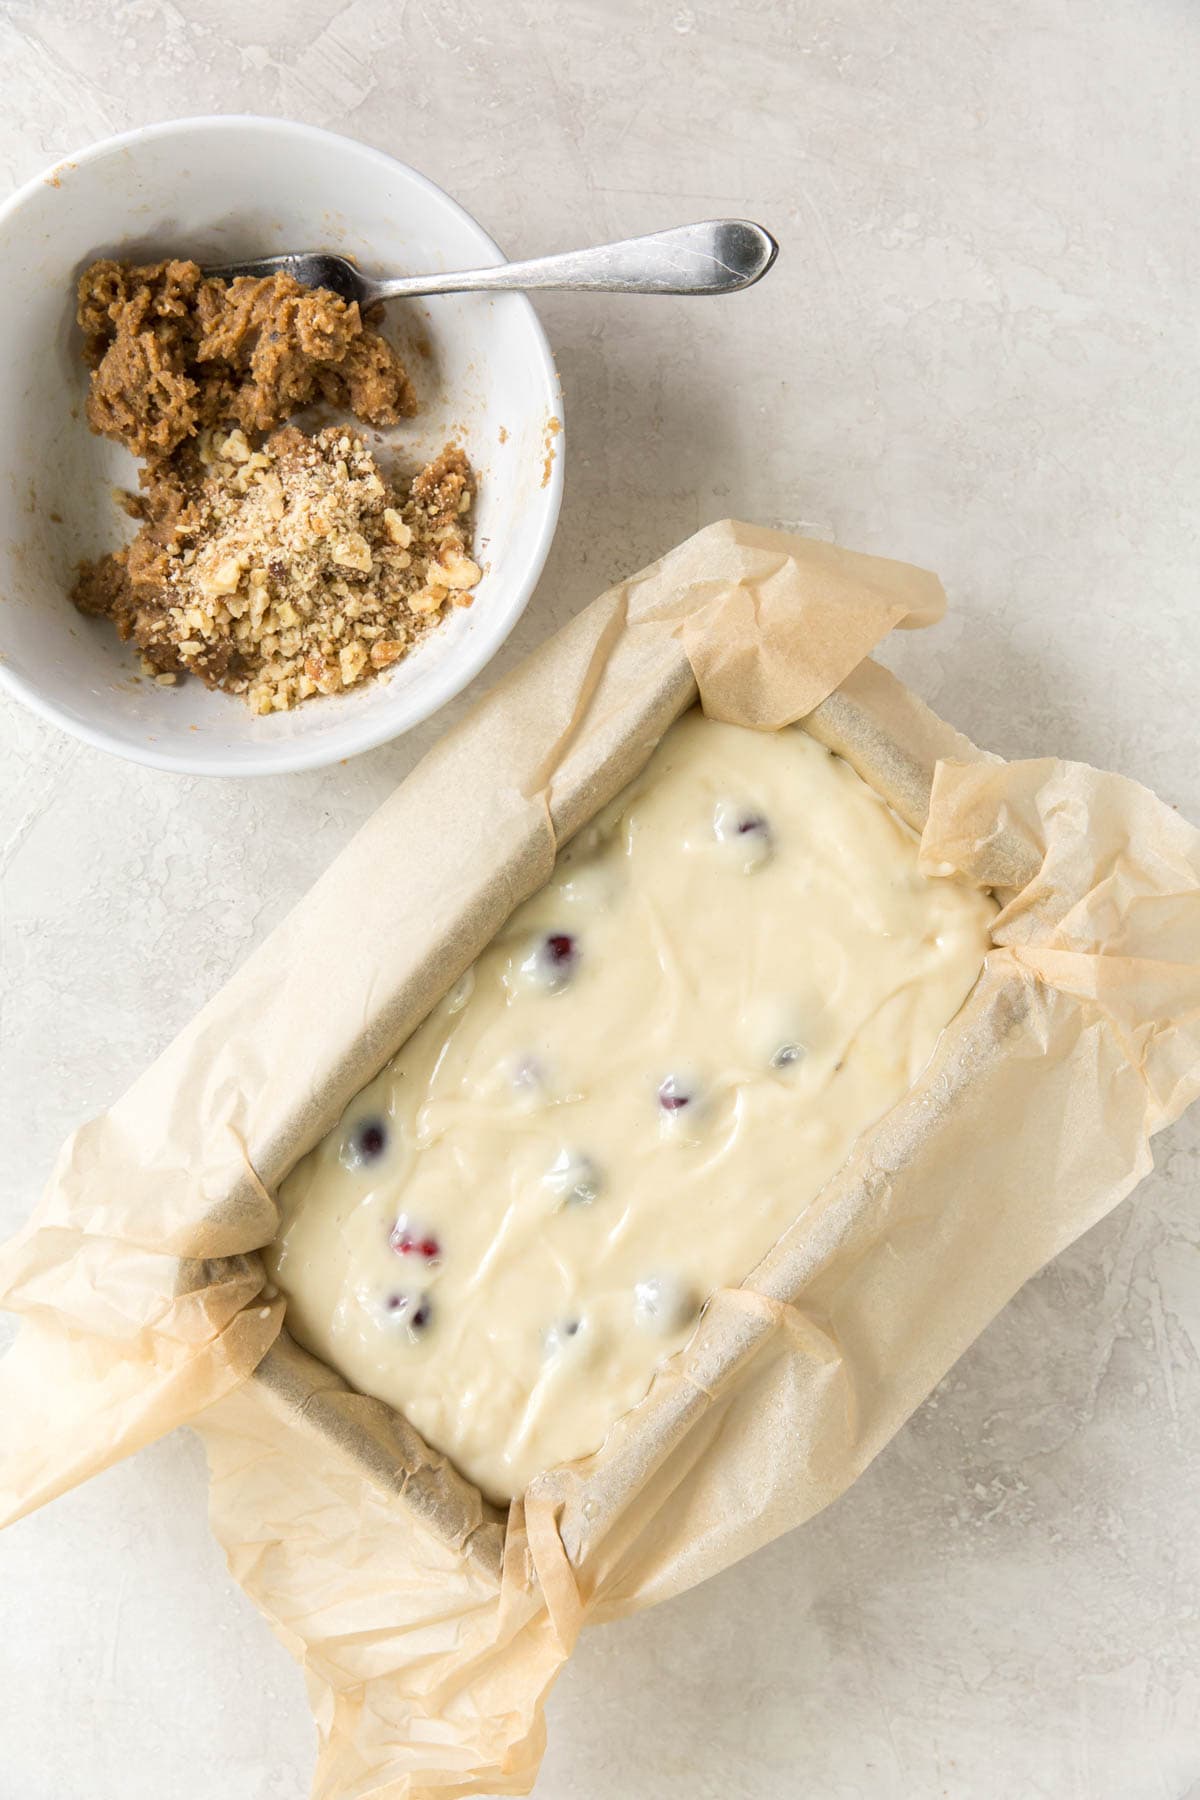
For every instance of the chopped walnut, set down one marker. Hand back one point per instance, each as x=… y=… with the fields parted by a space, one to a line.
x=286 y=571
x=274 y=570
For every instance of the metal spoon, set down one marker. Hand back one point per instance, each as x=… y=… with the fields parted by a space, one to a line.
x=716 y=257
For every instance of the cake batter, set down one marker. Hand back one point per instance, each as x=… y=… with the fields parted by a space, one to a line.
x=732 y=973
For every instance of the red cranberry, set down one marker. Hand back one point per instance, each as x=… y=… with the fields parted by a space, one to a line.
x=407 y=1240
x=559 y=1334
x=527 y=1072
x=552 y=962
x=366 y=1143
x=663 y=1303
x=575 y=1178
x=415 y=1311
x=746 y=828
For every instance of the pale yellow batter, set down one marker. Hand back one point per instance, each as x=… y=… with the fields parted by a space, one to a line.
x=639 y=1085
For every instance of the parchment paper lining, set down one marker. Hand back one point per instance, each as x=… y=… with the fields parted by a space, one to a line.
x=430 y=1626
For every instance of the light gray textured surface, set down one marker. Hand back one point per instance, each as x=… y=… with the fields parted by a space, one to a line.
x=978 y=351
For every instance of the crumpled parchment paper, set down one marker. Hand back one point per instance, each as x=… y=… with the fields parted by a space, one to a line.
x=429 y=1624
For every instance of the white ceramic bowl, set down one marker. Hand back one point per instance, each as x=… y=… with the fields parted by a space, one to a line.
x=216 y=189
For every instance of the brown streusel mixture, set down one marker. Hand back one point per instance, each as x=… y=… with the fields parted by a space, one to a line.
x=172 y=351
x=286 y=571
x=273 y=569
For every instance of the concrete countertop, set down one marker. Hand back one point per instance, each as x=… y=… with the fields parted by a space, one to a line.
x=978 y=352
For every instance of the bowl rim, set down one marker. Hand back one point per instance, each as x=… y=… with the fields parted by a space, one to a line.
x=378 y=727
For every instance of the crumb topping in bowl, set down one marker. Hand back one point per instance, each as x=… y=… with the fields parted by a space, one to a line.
x=274 y=567
x=285 y=571
x=173 y=351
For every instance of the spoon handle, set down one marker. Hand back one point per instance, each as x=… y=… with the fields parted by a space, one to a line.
x=716 y=257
